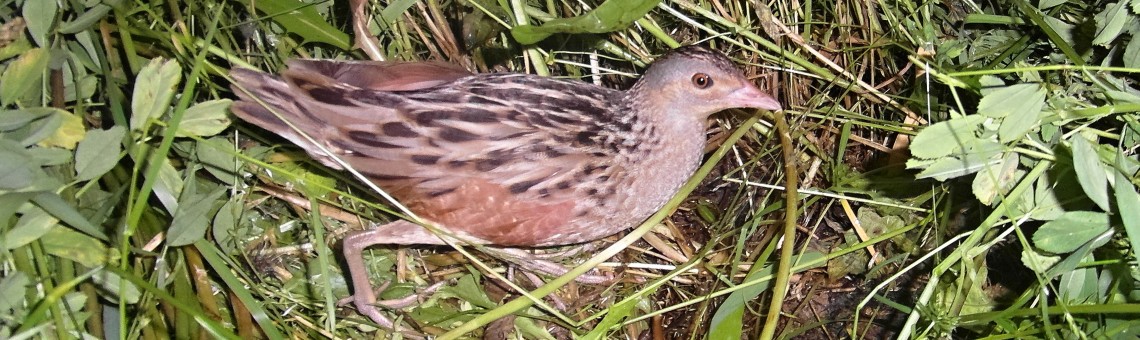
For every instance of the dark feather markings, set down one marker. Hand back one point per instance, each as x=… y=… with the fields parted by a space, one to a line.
x=489 y=164
x=523 y=186
x=425 y=159
x=428 y=118
x=329 y=95
x=398 y=129
x=472 y=115
x=456 y=135
x=374 y=98
x=367 y=138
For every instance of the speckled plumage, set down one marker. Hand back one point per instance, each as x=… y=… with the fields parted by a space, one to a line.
x=502 y=159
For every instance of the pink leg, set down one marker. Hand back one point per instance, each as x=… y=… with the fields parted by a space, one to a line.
x=394 y=233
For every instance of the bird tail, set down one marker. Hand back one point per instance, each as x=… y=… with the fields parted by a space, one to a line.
x=268 y=102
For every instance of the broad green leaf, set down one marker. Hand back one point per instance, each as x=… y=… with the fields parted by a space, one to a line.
x=154 y=89
x=13 y=287
x=1019 y=105
x=1003 y=101
x=943 y=138
x=98 y=153
x=1090 y=171
x=17 y=170
x=724 y=321
x=10 y=202
x=192 y=219
x=72 y=245
x=395 y=9
x=14 y=119
x=977 y=157
x=1078 y=286
x=23 y=75
x=1111 y=22
x=205 y=119
x=1038 y=262
x=996 y=180
x=1070 y=231
x=301 y=19
x=610 y=16
x=39 y=129
x=64 y=211
x=32 y=225
x=225 y=224
x=1128 y=207
x=217 y=156
x=114 y=284
x=40 y=15
x=1062 y=29
x=470 y=291
x=1072 y=260
x=69 y=132
x=618 y=312
x=1046 y=203
x=84 y=21
x=169 y=185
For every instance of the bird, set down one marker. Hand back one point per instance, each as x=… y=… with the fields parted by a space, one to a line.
x=508 y=160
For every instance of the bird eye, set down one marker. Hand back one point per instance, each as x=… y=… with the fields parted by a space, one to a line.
x=702 y=81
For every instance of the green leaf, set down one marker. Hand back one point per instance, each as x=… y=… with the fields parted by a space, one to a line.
x=996 y=180
x=23 y=75
x=619 y=312
x=154 y=88
x=1128 y=207
x=303 y=20
x=64 y=211
x=169 y=185
x=1090 y=171
x=978 y=156
x=1038 y=262
x=943 y=138
x=395 y=9
x=470 y=291
x=1019 y=105
x=32 y=225
x=1078 y=256
x=17 y=170
x=723 y=324
x=610 y=16
x=39 y=129
x=98 y=153
x=192 y=218
x=114 y=284
x=1046 y=205
x=205 y=119
x=85 y=20
x=1070 y=231
x=217 y=156
x=1012 y=99
x=13 y=286
x=1078 y=286
x=14 y=119
x=72 y=245
x=1111 y=22
x=69 y=132
x=40 y=15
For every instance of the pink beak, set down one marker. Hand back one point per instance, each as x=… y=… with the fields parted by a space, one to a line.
x=750 y=96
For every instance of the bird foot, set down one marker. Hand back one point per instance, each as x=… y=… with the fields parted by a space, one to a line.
x=367 y=305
